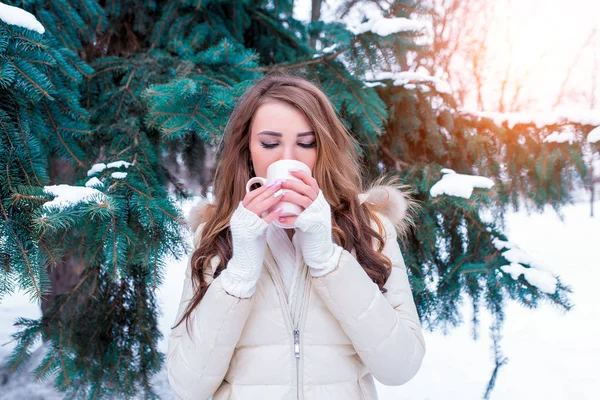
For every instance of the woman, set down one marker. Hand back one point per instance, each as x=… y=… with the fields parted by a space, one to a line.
x=313 y=312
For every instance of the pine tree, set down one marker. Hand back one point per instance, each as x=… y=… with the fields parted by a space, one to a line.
x=117 y=96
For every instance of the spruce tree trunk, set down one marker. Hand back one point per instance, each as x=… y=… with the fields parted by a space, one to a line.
x=63 y=277
x=208 y=169
x=67 y=272
x=315 y=15
x=191 y=168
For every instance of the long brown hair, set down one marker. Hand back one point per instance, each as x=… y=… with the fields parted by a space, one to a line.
x=337 y=170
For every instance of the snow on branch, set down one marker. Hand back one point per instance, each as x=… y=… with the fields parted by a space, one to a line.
x=537 y=275
x=543 y=119
x=561 y=137
x=119 y=175
x=118 y=164
x=19 y=17
x=539 y=119
x=97 y=168
x=361 y=17
x=387 y=26
x=94 y=182
x=326 y=50
x=407 y=79
x=460 y=185
x=68 y=195
x=594 y=135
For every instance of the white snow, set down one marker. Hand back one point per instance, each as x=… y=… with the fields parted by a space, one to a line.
x=118 y=164
x=69 y=195
x=331 y=48
x=17 y=16
x=376 y=22
x=516 y=255
x=594 y=135
x=326 y=50
x=97 y=168
x=373 y=84
x=461 y=185
x=387 y=26
x=551 y=355
x=540 y=279
x=94 y=182
x=119 y=175
x=539 y=275
x=540 y=119
x=404 y=78
x=561 y=137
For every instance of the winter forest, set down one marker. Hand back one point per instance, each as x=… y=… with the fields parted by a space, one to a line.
x=111 y=112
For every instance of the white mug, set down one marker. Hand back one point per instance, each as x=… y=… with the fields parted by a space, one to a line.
x=281 y=170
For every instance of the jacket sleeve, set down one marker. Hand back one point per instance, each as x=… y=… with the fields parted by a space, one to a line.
x=384 y=328
x=198 y=361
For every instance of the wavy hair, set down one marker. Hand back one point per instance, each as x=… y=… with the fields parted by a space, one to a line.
x=337 y=170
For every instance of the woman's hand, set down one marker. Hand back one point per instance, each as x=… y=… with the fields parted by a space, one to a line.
x=262 y=199
x=249 y=239
x=302 y=193
x=313 y=225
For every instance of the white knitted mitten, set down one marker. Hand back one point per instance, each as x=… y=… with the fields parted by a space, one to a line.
x=313 y=227
x=249 y=237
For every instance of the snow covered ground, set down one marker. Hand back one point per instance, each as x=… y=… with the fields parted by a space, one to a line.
x=552 y=355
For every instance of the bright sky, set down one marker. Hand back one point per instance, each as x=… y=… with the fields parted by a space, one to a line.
x=546 y=37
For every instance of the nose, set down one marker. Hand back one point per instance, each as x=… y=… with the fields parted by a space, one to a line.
x=288 y=153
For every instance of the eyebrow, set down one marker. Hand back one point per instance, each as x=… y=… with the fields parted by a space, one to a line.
x=278 y=134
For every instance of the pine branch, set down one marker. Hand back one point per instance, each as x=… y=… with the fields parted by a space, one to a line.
x=297 y=65
x=60 y=138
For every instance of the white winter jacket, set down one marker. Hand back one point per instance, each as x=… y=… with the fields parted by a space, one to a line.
x=337 y=334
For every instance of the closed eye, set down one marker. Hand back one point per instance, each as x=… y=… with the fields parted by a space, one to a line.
x=272 y=145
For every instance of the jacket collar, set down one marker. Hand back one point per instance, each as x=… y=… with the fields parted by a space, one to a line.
x=393 y=203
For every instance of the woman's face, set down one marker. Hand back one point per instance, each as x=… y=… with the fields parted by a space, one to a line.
x=278 y=131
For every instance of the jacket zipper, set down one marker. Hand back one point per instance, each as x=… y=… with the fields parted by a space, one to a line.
x=297 y=354
x=288 y=313
x=302 y=299
x=297 y=342
x=296 y=312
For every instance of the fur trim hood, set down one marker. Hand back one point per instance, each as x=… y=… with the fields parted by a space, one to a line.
x=390 y=201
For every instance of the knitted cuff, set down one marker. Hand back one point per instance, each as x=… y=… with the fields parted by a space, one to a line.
x=235 y=286
x=245 y=220
x=318 y=213
x=329 y=265
x=320 y=253
x=249 y=243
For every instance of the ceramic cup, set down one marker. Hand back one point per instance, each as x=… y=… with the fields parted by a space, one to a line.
x=280 y=170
